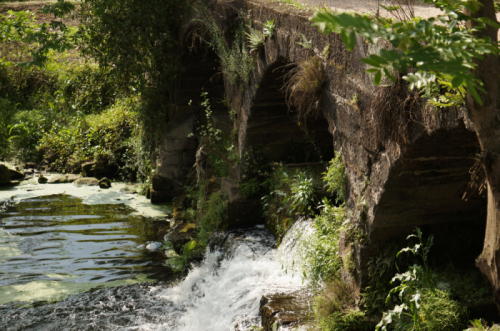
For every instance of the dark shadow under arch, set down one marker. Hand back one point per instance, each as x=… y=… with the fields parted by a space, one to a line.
x=274 y=131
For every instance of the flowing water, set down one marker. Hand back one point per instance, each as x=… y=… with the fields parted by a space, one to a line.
x=222 y=292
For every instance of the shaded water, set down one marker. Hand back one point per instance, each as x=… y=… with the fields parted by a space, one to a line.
x=59 y=242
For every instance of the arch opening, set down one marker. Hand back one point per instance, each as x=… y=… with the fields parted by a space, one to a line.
x=426 y=189
x=275 y=131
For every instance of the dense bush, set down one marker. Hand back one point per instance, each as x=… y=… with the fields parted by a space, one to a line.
x=291 y=192
x=213 y=215
x=353 y=320
x=106 y=136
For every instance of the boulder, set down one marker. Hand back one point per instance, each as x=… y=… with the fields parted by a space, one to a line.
x=16 y=175
x=4 y=175
x=87 y=181
x=285 y=309
x=42 y=179
x=104 y=183
x=63 y=179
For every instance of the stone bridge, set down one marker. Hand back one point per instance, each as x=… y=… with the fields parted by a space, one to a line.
x=410 y=169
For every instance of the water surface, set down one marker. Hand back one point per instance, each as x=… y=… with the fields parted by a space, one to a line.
x=53 y=245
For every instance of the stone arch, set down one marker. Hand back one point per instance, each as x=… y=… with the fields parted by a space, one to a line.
x=273 y=130
x=425 y=188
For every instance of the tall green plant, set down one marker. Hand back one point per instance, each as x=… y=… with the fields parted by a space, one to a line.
x=335 y=178
x=236 y=60
x=421 y=304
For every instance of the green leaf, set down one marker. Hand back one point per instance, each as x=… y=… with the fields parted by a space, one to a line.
x=377 y=78
x=371 y=62
x=472 y=90
x=457 y=81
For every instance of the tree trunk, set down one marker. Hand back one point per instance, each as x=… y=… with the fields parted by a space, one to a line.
x=486 y=120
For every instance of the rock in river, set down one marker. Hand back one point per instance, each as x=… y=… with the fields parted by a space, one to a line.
x=87 y=181
x=63 y=179
x=104 y=183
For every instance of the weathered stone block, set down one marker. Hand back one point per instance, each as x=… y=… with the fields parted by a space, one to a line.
x=161 y=183
x=229 y=187
x=180 y=144
x=161 y=196
x=180 y=130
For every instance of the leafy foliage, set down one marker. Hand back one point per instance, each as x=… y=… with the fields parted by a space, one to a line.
x=268 y=29
x=353 y=320
x=323 y=257
x=291 y=192
x=439 y=48
x=236 y=61
x=106 y=136
x=422 y=304
x=215 y=213
x=335 y=178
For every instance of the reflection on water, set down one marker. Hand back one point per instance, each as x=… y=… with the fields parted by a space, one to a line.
x=58 y=238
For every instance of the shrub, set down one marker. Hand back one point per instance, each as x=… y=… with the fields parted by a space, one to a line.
x=323 y=258
x=335 y=178
x=26 y=132
x=101 y=136
x=236 y=61
x=213 y=215
x=337 y=296
x=7 y=112
x=439 y=312
x=291 y=192
x=353 y=320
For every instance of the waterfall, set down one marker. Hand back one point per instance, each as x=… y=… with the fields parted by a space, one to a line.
x=224 y=291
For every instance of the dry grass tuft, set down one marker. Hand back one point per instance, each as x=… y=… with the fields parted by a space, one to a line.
x=392 y=108
x=304 y=87
x=338 y=296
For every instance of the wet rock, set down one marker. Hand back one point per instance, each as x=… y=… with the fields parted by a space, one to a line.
x=16 y=175
x=128 y=190
x=4 y=175
x=154 y=246
x=180 y=235
x=42 y=179
x=280 y=309
x=63 y=179
x=104 y=183
x=87 y=181
x=14 y=183
x=148 y=193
